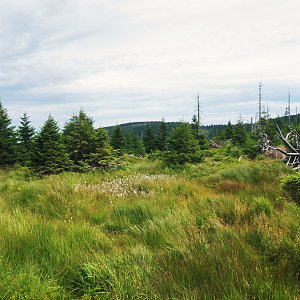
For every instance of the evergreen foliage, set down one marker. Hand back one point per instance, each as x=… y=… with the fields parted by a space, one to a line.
x=50 y=155
x=194 y=125
x=267 y=126
x=202 y=140
x=239 y=133
x=162 y=136
x=117 y=138
x=149 y=139
x=199 y=134
x=291 y=187
x=139 y=128
x=134 y=145
x=91 y=148
x=103 y=157
x=79 y=137
x=182 y=147
x=7 y=139
x=228 y=132
x=25 y=136
x=101 y=138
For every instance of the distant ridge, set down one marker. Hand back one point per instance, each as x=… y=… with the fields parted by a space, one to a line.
x=138 y=128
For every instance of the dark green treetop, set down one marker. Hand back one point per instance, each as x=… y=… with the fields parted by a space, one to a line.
x=25 y=135
x=228 y=132
x=182 y=147
x=50 y=155
x=134 y=145
x=199 y=133
x=117 y=138
x=79 y=137
x=149 y=139
x=162 y=136
x=240 y=135
x=7 y=139
x=104 y=156
x=202 y=140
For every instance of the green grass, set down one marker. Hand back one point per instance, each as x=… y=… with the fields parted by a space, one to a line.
x=217 y=230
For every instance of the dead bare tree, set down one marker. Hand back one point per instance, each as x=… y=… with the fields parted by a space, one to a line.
x=292 y=146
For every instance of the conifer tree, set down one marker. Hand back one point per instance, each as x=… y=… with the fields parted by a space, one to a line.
x=134 y=145
x=162 y=136
x=7 y=139
x=102 y=138
x=138 y=148
x=50 y=155
x=103 y=157
x=228 y=131
x=182 y=147
x=199 y=134
x=265 y=124
x=25 y=135
x=194 y=125
x=79 y=137
x=239 y=134
x=202 y=140
x=117 y=138
x=149 y=139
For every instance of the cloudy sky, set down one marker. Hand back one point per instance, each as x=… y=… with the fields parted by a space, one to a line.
x=135 y=60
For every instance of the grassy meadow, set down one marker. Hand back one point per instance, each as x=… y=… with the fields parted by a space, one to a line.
x=217 y=230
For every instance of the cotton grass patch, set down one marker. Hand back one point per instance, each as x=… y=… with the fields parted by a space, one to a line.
x=133 y=185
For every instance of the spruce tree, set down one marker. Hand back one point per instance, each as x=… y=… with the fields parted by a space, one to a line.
x=162 y=136
x=134 y=145
x=228 y=131
x=138 y=148
x=7 y=139
x=102 y=138
x=117 y=138
x=199 y=134
x=79 y=137
x=194 y=125
x=149 y=139
x=103 y=157
x=266 y=125
x=25 y=135
x=182 y=147
x=239 y=133
x=202 y=140
x=50 y=155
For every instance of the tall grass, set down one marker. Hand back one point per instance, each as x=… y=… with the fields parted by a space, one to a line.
x=202 y=233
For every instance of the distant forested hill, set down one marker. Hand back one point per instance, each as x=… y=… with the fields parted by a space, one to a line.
x=138 y=128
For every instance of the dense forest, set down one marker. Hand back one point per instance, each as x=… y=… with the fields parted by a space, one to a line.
x=138 y=128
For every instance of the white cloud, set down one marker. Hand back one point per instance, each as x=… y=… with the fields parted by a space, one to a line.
x=142 y=60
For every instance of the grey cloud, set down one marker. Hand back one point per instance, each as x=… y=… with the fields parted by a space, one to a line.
x=136 y=59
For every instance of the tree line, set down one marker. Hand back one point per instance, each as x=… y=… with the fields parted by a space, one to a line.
x=79 y=146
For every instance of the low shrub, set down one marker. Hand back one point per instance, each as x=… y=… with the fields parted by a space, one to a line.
x=175 y=159
x=291 y=187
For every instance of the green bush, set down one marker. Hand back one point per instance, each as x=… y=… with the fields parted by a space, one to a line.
x=251 y=149
x=183 y=148
x=291 y=187
x=174 y=159
x=20 y=173
x=232 y=151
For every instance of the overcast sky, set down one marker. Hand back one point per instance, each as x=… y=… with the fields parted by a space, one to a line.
x=136 y=60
